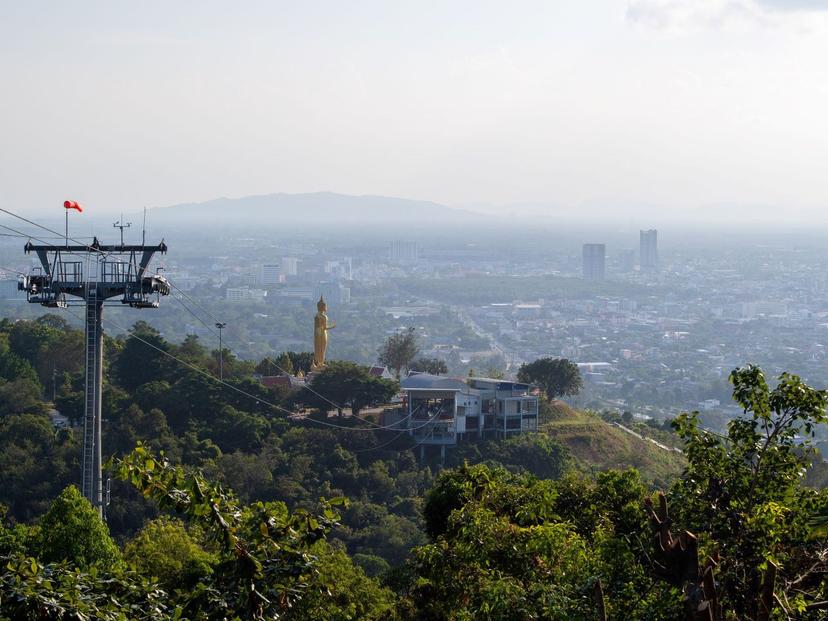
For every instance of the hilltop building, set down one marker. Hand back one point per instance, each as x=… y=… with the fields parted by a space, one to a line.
x=442 y=411
x=594 y=261
x=649 y=250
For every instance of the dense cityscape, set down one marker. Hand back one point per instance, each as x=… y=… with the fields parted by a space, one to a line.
x=655 y=336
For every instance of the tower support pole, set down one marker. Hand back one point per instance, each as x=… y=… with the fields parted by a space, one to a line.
x=98 y=474
x=92 y=462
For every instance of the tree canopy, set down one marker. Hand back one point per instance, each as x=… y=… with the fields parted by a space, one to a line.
x=435 y=366
x=346 y=384
x=72 y=531
x=557 y=377
x=399 y=350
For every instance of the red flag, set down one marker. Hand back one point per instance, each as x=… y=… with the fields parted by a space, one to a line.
x=72 y=205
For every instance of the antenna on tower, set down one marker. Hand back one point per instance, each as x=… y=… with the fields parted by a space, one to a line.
x=120 y=225
x=144 y=227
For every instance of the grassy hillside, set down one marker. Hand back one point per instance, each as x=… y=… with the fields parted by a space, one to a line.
x=597 y=445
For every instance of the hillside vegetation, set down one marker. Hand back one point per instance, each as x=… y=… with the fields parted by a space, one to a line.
x=595 y=445
x=331 y=519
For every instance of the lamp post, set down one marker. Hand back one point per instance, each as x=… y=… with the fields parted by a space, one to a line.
x=220 y=325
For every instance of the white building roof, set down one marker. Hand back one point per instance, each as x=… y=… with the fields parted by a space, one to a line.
x=426 y=381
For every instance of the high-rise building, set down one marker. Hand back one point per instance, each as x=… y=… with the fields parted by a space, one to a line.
x=404 y=251
x=334 y=293
x=649 y=251
x=594 y=261
x=626 y=260
x=290 y=266
x=340 y=268
x=271 y=274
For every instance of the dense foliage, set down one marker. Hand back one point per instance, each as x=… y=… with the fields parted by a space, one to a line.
x=502 y=529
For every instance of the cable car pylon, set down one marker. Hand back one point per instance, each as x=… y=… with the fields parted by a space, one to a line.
x=102 y=272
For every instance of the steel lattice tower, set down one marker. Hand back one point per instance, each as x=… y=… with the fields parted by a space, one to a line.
x=110 y=271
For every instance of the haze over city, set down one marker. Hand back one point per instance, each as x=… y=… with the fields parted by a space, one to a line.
x=642 y=112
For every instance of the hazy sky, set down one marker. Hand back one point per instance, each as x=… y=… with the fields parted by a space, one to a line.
x=702 y=108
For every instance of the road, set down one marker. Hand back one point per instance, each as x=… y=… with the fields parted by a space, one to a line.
x=646 y=439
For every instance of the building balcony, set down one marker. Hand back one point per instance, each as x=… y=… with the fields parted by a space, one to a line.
x=435 y=438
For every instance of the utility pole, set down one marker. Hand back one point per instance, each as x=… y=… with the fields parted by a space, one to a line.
x=59 y=282
x=220 y=325
x=54 y=383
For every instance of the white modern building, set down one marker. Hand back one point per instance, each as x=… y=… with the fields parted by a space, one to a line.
x=271 y=274
x=238 y=294
x=443 y=411
x=290 y=266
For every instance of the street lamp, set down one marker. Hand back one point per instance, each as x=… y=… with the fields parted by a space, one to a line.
x=220 y=325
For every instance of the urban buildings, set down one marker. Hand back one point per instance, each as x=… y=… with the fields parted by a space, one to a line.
x=649 y=250
x=594 y=261
x=626 y=260
x=270 y=274
x=404 y=251
x=333 y=292
x=238 y=294
x=290 y=266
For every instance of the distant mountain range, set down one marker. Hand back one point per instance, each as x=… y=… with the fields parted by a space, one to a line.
x=318 y=207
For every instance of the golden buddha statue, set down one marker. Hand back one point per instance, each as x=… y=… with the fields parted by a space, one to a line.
x=320 y=334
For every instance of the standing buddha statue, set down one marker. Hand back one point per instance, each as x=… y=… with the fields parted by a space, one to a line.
x=320 y=334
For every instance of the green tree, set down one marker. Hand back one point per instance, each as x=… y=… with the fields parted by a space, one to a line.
x=266 y=367
x=435 y=366
x=35 y=463
x=347 y=385
x=743 y=494
x=265 y=562
x=509 y=547
x=557 y=377
x=20 y=396
x=14 y=539
x=284 y=363
x=192 y=350
x=341 y=591
x=164 y=549
x=71 y=530
x=300 y=361
x=143 y=360
x=14 y=367
x=234 y=429
x=399 y=350
x=265 y=566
